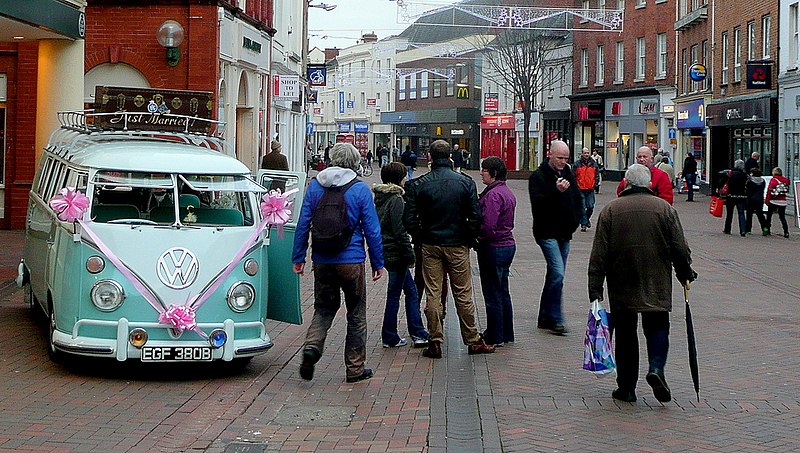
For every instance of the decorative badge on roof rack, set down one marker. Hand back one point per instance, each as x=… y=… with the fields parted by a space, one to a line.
x=151 y=103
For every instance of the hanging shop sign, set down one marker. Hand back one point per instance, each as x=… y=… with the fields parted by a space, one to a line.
x=491 y=102
x=691 y=115
x=759 y=76
x=317 y=75
x=697 y=72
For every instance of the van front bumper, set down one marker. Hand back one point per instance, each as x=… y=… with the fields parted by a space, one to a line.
x=122 y=350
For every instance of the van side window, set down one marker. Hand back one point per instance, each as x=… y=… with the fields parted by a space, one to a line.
x=43 y=174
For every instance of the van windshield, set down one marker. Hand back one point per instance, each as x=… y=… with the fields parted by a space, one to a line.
x=150 y=199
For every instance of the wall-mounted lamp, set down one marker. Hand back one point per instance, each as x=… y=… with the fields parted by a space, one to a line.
x=170 y=36
x=325 y=6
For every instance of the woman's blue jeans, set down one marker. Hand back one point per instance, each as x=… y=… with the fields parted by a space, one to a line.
x=400 y=280
x=555 y=253
x=494 y=264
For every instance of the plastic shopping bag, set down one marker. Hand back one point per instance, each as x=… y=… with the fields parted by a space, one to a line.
x=597 y=354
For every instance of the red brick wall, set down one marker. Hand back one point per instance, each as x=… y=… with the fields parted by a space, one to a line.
x=127 y=34
x=645 y=22
x=737 y=13
x=20 y=63
x=695 y=35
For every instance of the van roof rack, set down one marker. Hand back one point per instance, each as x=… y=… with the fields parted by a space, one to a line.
x=79 y=125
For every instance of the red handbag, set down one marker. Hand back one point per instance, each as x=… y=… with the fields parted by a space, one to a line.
x=715 y=208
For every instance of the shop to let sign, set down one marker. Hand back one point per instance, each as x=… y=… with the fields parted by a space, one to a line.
x=285 y=87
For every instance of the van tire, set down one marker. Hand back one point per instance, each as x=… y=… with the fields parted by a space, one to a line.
x=55 y=355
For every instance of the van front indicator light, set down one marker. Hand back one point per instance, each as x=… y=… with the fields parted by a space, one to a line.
x=251 y=267
x=137 y=338
x=217 y=338
x=241 y=296
x=95 y=264
x=107 y=295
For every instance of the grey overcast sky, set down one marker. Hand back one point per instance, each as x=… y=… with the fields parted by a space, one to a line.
x=343 y=26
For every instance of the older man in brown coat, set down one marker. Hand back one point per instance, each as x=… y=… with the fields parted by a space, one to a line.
x=639 y=239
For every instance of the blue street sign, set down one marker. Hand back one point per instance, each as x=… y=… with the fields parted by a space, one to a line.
x=309 y=128
x=351 y=104
x=672 y=133
x=341 y=102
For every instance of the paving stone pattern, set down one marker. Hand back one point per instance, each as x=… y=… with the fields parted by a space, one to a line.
x=530 y=396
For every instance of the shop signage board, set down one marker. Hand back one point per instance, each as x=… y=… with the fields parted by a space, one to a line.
x=491 y=102
x=759 y=76
x=285 y=87
x=691 y=114
x=317 y=75
x=361 y=126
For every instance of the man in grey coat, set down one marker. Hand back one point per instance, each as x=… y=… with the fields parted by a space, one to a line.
x=639 y=239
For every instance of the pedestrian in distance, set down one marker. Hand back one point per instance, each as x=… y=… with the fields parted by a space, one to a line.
x=751 y=162
x=661 y=185
x=383 y=154
x=689 y=172
x=458 y=158
x=443 y=215
x=274 y=160
x=409 y=160
x=339 y=260
x=398 y=257
x=557 y=210
x=587 y=176
x=600 y=168
x=667 y=168
x=639 y=239
x=776 y=200
x=496 y=249
x=736 y=197
x=754 y=189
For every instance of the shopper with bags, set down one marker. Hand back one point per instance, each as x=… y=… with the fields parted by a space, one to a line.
x=776 y=200
x=636 y=266
x=735 y=197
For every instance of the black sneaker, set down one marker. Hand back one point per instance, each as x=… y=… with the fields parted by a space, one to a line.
x=558 y=329
x=310 y=358
x=660 y=390
x=628 y=396
x=361 y=377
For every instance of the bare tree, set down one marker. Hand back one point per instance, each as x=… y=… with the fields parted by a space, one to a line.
x=516 y=59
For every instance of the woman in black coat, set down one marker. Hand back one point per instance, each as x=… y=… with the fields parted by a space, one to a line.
x=736 y=197
x=755 y=201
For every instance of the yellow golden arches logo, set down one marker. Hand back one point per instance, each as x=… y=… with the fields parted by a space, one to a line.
x=462 y=93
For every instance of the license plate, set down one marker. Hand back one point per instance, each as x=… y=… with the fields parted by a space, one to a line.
x=176 y=354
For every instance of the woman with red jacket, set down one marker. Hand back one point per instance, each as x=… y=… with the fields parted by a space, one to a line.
x=776 y=200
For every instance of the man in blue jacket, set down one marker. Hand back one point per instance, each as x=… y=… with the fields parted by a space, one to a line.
x=341 y=271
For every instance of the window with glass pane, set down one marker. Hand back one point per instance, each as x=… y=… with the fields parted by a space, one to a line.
x=412 y=86
x=401 y=88
x=684 y=72
x=601 y=66
x=584 y=67
x=794 y=29
x=640 y=58
x=451 y=80
x=661 y=69
x=619 y=74
x=737 y=55
x=724 y=77
x=766 y=40
x=423 y=89
x=693 y=57
x=705 y=63
x=751 y=40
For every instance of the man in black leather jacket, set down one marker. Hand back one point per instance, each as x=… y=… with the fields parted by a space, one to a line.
x=443 y=215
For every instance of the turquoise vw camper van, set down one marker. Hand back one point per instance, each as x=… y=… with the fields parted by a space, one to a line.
x=167 y=254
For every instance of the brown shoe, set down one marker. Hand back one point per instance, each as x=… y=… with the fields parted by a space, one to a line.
x=433 y=351
x=479 y=347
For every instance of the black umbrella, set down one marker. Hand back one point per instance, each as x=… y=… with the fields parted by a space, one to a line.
x=692 y=342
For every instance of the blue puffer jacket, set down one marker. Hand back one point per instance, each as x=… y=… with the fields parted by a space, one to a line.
x=360 y=210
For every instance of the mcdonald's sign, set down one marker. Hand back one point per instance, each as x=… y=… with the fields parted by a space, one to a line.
x=462 y=93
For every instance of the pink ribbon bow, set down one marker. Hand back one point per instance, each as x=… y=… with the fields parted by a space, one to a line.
x=180 y=317
x=277 y=209
x=69 y=204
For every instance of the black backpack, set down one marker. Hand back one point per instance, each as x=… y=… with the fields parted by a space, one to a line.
x=331 y=231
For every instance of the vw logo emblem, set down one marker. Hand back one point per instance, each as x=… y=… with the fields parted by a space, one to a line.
x=177 y=268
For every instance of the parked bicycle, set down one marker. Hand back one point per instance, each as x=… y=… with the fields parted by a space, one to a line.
x=364 y=168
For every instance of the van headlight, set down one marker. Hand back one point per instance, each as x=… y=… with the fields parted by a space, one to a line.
x=241 y=296
x=107 y=295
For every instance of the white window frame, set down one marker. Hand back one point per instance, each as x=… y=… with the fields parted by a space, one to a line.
x=693 y=57
x=401 y=88
x=684 y=72
x=601 y=66
x=551 y=82
x=584 y=67
x=704 y=83
x=724 y=64
x=641 y=52
x=619 y=70
x=641 y=3
x=423 y=85
x=751 y=40
x=412 y=86
x=766 y=36
x=794 y=34
x=737 y=55
x=661 y=66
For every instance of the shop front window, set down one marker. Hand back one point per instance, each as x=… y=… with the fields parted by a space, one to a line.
x=611 y=154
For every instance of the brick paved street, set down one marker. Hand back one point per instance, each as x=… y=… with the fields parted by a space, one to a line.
x=529 y=396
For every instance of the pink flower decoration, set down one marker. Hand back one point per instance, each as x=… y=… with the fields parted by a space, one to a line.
x=180 y=317
x=69 y=204
x=275 y=207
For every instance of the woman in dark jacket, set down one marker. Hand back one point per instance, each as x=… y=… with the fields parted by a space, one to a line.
x=398 y=256
x=755 y=201
x=737 y=197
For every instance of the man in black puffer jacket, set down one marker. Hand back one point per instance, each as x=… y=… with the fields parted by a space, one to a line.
x=443 y=215
x=557 y=210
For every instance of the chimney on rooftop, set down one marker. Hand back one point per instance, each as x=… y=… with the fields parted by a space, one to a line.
x=369 y=37
x=331 y=53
